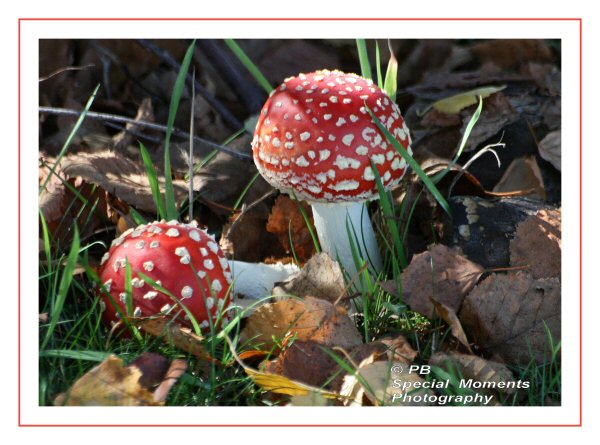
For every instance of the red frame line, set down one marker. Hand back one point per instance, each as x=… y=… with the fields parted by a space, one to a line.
x=119 y=19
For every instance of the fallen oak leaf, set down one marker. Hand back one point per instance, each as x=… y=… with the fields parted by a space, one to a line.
x=277 y=383
x=439 y=273
x=182 y=338
x=495 y=376
x=450 y=317
x=321 y=277
x=513 y=315
x=113 y=384
x=308 y=318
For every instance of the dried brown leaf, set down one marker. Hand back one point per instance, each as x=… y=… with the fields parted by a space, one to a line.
x=182 y=338
x=523 y=175
x=549 y=148
x=376 y=385
x=439 y=273
x=450 y=317
x=285 y=217
x=309 y=319
x=108 y=384
x=509 y=314
x=321 y=277
x=471 y=367
x=537 y=244
x=118 y=175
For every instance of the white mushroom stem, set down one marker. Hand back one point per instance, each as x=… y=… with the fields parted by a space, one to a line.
x=334 y=224
x=256 y=280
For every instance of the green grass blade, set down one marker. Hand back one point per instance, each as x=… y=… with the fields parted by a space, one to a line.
x=63 y=289
x=171 y=208
x=239 y=201
x=311 y=228
x=412 y=163
x=72 y=134
x=437 y=178
x=92 y=356
x=47 y=248
x=363 y=57
x=388 y=212
x=250 y=66
x=128 y=288
x=378 y=65
x=391 y=76
x=137 y=216
x=153 y=179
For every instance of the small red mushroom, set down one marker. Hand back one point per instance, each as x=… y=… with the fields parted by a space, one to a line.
x=316 y=138
x=184 y=260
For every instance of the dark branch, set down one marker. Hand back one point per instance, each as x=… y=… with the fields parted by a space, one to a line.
x=163 y=128
x=229 y=118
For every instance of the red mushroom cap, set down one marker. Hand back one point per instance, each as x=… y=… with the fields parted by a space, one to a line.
x=183 y=259
x=316 y=137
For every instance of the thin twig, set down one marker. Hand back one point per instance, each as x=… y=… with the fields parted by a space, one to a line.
x=65 y=69
x=191 y=160
x=127 y=120
x=213 y=102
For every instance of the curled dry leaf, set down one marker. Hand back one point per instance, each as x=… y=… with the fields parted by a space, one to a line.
x=512 y=315
x=384 y=383
x=321 y=277
x=524 y=176
x=118 y=175
x=309 y=319
x=113 y=384
x=495 y=376
x=537 y=244
x=450 y=317
x=285 y=219
x=182 y=338
x=440 y=273
x=549 y=148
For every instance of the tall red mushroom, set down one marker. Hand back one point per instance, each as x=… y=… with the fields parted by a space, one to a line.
x=316 y=138
x=181 y=258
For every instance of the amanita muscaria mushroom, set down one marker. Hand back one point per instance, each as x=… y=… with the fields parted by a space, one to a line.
x=181 y=258
x=316 y=138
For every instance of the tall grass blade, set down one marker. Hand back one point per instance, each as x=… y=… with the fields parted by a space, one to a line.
x=72 y=134
x=363 y=57
x=171 y=208
x=153 y=180
x=412 y=163
x=63 y=288
x=378 y=65
x=391 y=75
x=437 y=178
x=250 y=66
x=310 y=226
x=390 y=217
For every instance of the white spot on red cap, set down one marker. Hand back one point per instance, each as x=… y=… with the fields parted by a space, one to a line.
x=209 y=264
x=150 y=295
x=347 y=139
x=323 y=155
x=305 y=136
x=343 y=162
x=302 y=162
x=172 y=232
x=216 y=286
x=368 y=174
x=140 y=244
x=148 y=266
x=154 y=245
x=195 y=235
x=341 y=121
x=348 y=184
x=187 y=292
